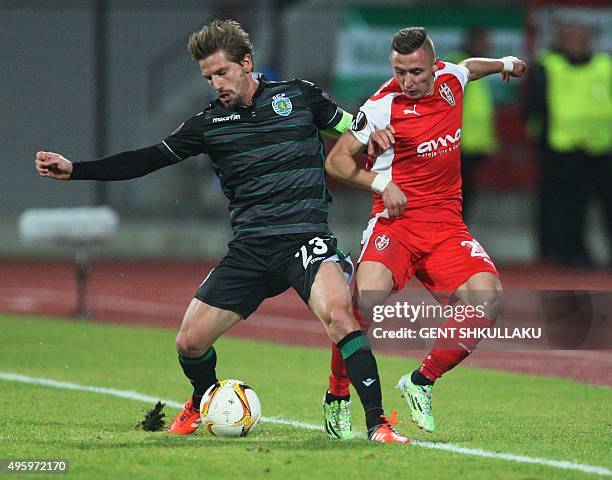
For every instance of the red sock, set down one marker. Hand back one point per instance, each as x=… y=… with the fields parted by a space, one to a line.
x=447 y=353
x=338 y=380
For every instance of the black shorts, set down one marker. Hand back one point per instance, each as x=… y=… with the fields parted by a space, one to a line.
x=258 y=268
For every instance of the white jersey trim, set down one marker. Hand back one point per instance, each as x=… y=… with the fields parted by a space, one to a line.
x=367 y=233
x=378 y=115
x=459 y=71
x=384 y=163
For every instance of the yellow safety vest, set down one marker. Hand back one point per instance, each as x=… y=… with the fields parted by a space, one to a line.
x=579 y=103
x=478 y=126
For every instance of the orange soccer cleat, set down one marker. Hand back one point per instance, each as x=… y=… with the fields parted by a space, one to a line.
x=385 y=433
x=187 y=421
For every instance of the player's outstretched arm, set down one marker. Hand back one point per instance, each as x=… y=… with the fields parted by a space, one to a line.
x=121 y=166
x=53 y=165
x=481 y=67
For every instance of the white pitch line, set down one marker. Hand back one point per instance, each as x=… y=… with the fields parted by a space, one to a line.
x=563 y=464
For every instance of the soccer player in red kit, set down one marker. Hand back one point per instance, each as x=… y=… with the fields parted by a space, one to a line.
x=416 y=227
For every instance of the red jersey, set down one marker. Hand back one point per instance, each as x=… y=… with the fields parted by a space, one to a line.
x=424 y=161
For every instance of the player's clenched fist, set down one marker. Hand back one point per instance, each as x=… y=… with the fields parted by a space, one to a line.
x=53 y=165
x=394 y=199
x=513 y=67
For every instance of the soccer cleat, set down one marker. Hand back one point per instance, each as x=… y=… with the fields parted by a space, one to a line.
x=385 y=433
x=418 y=398
x=187 y=421
x=337 y=418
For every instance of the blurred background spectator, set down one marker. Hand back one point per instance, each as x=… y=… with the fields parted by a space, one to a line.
x=570 y=109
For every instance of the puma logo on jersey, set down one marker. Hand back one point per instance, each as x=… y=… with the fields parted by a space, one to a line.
x=413 y=111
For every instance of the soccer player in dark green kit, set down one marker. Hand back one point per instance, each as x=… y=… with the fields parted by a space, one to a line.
x=263 y=140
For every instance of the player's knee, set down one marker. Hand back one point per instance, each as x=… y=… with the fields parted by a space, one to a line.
x=491 y=303
x=190 y=347
x=367 y=297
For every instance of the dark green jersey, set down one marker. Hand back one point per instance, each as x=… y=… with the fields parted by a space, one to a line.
x=269 y=157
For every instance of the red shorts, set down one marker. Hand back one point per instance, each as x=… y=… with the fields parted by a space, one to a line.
x=441 y=255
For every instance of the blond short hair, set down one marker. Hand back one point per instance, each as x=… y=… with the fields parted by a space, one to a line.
x=220 y=35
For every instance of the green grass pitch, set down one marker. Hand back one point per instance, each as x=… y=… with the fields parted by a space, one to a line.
x=539 y=417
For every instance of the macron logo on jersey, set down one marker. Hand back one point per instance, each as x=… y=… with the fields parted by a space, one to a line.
x=233 y=116
x=440 y=143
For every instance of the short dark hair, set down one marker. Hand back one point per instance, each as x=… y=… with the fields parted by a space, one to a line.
x=220 y=35
x=409 y=40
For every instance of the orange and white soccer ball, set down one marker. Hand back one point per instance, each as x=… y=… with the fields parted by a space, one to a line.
x=230 y=408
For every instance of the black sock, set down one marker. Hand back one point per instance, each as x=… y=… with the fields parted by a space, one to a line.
x=200 y=372
x=419 y=379
x=330 y=397
x=363 y=372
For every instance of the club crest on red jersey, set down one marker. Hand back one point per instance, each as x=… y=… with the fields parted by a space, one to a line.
x=447 y=94
x=381 y=242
